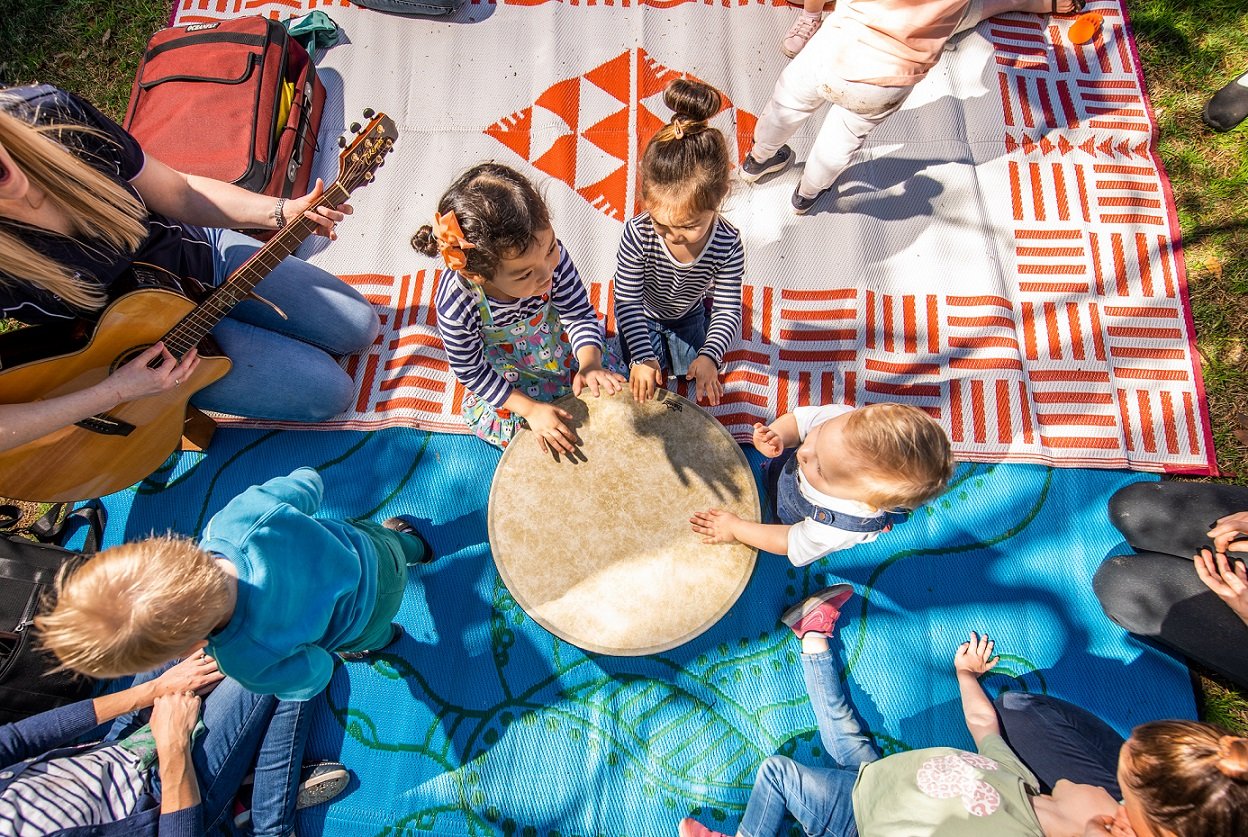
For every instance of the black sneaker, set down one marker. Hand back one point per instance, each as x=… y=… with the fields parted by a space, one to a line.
x=802 y=204
x=1229 y=106
x=752 y=170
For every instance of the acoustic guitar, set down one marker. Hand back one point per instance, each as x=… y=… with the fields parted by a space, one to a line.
x=110 y=451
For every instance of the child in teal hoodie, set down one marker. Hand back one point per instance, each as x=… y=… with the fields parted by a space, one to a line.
x=274 y=590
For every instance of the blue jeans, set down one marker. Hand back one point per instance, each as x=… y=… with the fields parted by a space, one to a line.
x=285 y=369
x=675 y=343
x=819 y=798
x=242 y=729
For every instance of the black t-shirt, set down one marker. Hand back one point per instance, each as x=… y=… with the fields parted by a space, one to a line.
x=176 y=247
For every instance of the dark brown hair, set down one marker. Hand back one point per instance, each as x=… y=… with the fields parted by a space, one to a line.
x=1191 y=778
x=499 y=211
x=686 y=165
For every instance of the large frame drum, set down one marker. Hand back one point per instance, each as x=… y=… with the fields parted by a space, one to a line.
x=598 y=549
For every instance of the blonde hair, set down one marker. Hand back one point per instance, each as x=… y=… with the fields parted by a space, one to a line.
x=133 y=607
x=98 y=209
x=1191 y=778
x=686 y=165
x=904 y=450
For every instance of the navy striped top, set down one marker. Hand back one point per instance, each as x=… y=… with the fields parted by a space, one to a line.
x=651 y=285
x=459 y=324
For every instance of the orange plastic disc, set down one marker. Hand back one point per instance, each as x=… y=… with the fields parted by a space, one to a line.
x=1084 y=28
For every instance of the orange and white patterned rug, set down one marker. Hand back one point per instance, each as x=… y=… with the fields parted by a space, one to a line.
x=1004 y=254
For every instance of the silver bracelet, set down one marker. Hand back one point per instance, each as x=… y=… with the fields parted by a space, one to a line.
x=278 y=215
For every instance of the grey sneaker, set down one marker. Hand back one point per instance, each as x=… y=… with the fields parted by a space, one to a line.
x=801 y=203
x=752 y=170
x=321 y=782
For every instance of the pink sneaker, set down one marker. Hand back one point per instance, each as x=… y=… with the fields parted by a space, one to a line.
x=692 y=828
x=818 y=613
x=802 y=30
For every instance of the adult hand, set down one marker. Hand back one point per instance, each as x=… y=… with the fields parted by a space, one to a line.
x=645 y=378
x=597 y=380
x=549 y=423
x=706 y=376
x=1227 y=579
x=137 y=380
x=767 y=441
x=326 y=217
x=1227 y=529
x=1104 y=825
x=975 y=656
x=714 y=525
x=173 y=720
x=197 y=673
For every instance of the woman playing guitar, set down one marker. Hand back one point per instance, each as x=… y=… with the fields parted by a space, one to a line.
x=80 y=202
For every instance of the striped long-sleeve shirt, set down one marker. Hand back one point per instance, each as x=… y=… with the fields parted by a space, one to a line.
x=651 y=284
x=459 y=324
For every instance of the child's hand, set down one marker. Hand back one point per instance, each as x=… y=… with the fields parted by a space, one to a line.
x=714 y=525
x=975 y=656
x=1227 y=579
x=767 y=441
x=705 y=373
x=549 y=423
x=598 y=380
x=645 y=378
x=197 y=673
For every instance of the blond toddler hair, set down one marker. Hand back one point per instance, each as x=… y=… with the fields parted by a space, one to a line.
x=134 y=607
x=904 y=451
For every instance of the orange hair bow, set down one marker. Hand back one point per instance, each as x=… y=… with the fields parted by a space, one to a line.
x=451 y=241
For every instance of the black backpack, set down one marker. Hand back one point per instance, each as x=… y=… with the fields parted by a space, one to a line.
x=28 y=570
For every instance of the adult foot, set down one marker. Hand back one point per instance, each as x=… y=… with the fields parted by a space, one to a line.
x=752 y=170
x=692 y=828
x=818 y=613
x=403 y=524
x=321 y=782
x=802 y=204
x=800 y=33
x=1229 y=106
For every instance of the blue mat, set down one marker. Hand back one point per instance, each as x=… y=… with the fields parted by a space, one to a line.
x=480 y=722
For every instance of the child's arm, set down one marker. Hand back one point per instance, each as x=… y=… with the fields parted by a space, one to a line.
x=773 y=439
x=718 y=526
x=644 y=374
x=970 y=661
x=725 y=323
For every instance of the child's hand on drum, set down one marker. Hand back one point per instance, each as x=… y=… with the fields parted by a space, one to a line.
x=549 y=423
x=597 y=380
x=714 y=525
x=645 y=378
x=705 y=373
x=767 y=441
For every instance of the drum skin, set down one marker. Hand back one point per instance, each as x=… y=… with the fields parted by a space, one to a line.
x=598 y=549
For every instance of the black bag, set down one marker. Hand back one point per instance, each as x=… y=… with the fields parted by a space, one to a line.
x=28 y=570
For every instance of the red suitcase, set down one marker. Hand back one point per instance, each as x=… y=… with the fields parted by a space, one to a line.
x=207 y=100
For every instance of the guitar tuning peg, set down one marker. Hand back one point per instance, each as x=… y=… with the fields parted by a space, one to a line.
x=368 y=177
x=355 y=127
x=342 y=142
x=369 y=113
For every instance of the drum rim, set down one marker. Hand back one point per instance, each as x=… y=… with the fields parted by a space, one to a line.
x=658 y=648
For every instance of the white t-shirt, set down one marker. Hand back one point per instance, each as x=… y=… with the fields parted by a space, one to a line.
x=809 y=541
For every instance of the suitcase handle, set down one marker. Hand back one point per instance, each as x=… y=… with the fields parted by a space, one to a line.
x=246 y=73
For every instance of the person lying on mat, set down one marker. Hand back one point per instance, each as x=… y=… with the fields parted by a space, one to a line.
x=1186 y=586
x=274 y=591
x=52 y=784
x=865 y=60
x=1179 y=777
x=835 y=477
x=80 y=202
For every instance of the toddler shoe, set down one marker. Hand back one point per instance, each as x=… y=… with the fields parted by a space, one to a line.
x=1229 y=106
x=690 y=827
x=752 y=170
x=818 y=613
x=802 y=204
x=403 y=525
x=802 y=30
x=321 y=782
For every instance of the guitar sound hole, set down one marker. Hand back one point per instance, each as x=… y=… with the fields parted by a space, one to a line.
x=122 y=359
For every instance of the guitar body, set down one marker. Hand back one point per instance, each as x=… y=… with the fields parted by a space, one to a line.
x=74 y=463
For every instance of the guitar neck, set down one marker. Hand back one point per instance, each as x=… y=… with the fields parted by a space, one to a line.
x=188 y=333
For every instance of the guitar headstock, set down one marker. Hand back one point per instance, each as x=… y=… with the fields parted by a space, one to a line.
x=366 y=153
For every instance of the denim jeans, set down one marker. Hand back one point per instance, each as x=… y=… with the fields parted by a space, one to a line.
x=285 y=369
x=242 y=729
x=676 y=343
x=819 y=798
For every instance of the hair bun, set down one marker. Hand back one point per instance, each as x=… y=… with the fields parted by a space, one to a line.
x=692 y=100
x=424 y=242
x=1233 y=757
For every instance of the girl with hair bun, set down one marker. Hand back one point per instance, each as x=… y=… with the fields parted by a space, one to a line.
x=679 y=251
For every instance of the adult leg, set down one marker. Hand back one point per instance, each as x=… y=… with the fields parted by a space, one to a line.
x=819 y=798
x=1161 y=597
x=1171 y=516
x=1058 y=740
x=278 y=766
x=839 y=729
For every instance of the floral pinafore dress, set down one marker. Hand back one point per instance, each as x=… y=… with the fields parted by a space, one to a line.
x=534 y=355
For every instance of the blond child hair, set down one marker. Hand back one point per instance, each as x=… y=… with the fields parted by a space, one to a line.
x=904 y=450
x=135 y=606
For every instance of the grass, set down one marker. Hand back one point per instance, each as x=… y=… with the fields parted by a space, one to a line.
x=1188 y=49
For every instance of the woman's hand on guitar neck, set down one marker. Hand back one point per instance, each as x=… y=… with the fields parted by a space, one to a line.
x=137 y=379
x=324 y=216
